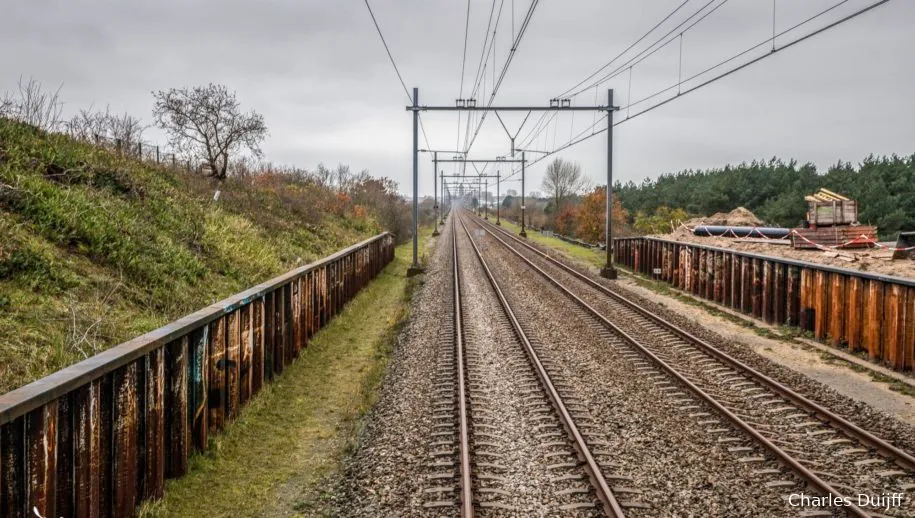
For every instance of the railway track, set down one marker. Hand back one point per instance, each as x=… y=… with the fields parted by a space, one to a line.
x=520 y=449
x=764 y=422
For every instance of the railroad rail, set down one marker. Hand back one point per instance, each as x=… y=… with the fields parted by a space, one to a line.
x=471 y=414
x=100 y=436
x=671 y=349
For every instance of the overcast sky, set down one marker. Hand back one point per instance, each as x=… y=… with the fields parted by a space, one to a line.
x=318 y=72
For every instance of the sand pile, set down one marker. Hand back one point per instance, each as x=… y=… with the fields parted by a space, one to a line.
x=739 y=217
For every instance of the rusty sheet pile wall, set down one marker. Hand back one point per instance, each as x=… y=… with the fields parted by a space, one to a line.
x=97 y=438
x=865 y=312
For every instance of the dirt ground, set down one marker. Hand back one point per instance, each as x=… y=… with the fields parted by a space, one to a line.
x=870 y=260
x=848 y=382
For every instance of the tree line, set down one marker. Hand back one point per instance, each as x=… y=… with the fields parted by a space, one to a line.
x=774 y=190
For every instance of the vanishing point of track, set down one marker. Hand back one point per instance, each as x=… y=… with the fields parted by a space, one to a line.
x=468 y=478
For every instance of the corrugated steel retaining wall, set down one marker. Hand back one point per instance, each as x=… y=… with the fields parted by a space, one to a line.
x=865 y=311
x=97 y=438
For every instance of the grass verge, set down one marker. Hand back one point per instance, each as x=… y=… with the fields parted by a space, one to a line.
x=269 y=461
x=591 y=256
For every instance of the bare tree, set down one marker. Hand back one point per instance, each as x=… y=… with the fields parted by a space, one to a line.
x=206 y=122
x=563 y=180
x=92 y=126
x=87 y=125
x=125 y=128
x=6 y=106
x=34 y=105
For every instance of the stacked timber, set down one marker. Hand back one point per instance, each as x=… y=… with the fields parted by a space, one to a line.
x=826 y=208
x=845 y=236
x=832 y=221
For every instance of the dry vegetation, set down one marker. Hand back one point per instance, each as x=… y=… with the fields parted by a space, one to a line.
x=98 y=247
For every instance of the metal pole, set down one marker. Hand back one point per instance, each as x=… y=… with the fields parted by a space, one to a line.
x=498 y=197
x=608 y=271
x=442 y=212
x=523 y=163
x=414 y=268
x=486 y=195
x=435 y=192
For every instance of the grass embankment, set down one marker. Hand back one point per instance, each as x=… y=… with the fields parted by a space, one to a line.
x=270 y=460
x=592 y=256
x=96 y=249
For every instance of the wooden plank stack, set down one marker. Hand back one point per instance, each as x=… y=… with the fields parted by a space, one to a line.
x=826 y=208
x=832 y=220
x=845 y=236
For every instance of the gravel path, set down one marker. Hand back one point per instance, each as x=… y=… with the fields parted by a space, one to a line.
x=380 y=477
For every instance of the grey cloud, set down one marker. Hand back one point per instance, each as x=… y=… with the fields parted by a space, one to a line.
x=320 y=75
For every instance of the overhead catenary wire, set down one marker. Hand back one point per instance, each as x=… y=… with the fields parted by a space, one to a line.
x=630 y=47
x=639 y=57
x=463 y=64
x=396 y=70
x=581 y=137
x=508 y=60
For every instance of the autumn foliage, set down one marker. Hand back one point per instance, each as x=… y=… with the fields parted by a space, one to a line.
x=592 y=213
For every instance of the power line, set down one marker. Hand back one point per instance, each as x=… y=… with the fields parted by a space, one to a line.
x=578 y=139
x=397 y=70
x=463 y=63
x=632 y=61
x=630 y=47
x=655 y=47
x=511 y=54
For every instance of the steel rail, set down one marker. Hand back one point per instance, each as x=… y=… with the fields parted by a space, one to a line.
x=466 y=483
x=611 y=506
x=806 y=474
x=903 y=458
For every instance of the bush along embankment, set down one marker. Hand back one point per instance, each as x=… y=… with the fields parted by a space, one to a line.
x=96 y=248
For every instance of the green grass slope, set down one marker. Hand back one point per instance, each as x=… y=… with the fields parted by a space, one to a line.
x=96 y=249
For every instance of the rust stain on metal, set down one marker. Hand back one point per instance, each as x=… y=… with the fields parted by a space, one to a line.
x=246 y=345
x=12 y=469
x=216 y=381
x=836 y=309
x=232 y=363
x=296 y=316
x=41 y=458
x=854 y=295
x=198 y=406
x=873 y=320
x=257 y=341
x=820 y=301
x=893 y=333
x=64 y=475
x=279 y=359
x=779 y=295
x=909 y=326
x=124 y=441
x=154 y=473
x=177 y=392
x=269 y=335
x=86 y=450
